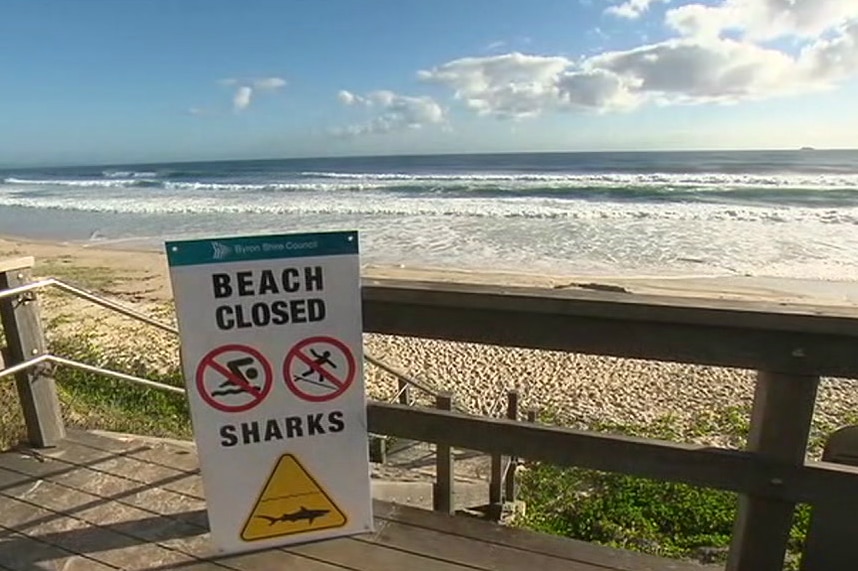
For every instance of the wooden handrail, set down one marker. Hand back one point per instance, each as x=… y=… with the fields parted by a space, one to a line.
x=711 y=467
x=803 y=340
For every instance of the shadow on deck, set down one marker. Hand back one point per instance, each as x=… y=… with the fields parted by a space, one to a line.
x=105 y=502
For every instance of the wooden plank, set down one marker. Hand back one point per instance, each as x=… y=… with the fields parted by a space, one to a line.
x=184 y=542
x=369 y=558
x=466 y=551
x=9 y=264
x=106 y=546
x=363 y=556
x=812 y=341
x=733 y=470
x=752 y=314
x=277 y=560
x=780 y=426
x=443 y=489
x=176 y=454
x=104 y=485
x=830 y=544
x=160 y=502
x=120 y=486
x=21 y=553
x=509 y=482
x=37 y=391
x=125 y=465
x=530 y=541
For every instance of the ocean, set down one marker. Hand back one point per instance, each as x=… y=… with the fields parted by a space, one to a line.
x=656 y=214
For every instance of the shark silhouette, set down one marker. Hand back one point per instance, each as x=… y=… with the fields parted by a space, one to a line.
x=303 y=513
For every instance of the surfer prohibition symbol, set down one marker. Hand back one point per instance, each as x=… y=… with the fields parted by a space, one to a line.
x=319 y=369
x=228 y=378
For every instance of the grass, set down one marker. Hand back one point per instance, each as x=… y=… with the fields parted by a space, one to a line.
x=89 y=400
x=112 y=404
x=65 y=268
x=651 y=516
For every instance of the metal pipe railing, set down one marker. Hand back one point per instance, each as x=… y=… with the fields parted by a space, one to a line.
x=26 y=288
x=114 y=374
x=117 y=307
x=90 y=368
x=139 y=316
x=23 y=366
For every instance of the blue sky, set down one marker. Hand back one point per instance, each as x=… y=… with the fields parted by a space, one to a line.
x=100 y=81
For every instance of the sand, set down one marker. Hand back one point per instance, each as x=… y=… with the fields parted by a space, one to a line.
x=700 y=403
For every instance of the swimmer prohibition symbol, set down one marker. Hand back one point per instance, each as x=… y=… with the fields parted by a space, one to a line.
x=319 y=369
x=234 y=378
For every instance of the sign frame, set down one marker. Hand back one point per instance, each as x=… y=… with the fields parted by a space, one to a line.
x=257 y=298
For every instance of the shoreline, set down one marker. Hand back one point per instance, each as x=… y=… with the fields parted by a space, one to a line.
x=132 y=267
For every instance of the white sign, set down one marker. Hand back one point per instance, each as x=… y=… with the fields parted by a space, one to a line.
x=271 y=334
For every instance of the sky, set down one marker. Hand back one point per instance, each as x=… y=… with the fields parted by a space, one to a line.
x=124 y=81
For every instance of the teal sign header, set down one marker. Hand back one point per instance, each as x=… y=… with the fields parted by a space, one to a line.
x=247 y=248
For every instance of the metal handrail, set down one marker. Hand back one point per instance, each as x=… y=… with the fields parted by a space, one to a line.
x=35 y=361
x=134 y=314
x=96 y=299
x=23 y=365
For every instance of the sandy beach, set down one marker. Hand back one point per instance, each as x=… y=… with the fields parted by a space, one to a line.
x=700 y=402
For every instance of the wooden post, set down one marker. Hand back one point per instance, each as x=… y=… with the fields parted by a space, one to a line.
x=495 y=487
x=25 y=340
x=512 y=414
x=403 y=392
x=830 y=543
x=442 y=496
x=780 y=425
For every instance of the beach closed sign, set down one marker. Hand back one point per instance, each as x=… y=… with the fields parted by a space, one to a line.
x=271 y=335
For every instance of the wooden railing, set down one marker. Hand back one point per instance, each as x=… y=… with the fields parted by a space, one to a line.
x=791 y=348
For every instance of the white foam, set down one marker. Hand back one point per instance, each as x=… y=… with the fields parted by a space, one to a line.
x=83 y=183
x=713 y=179
x=382 y=204
x=513 y=181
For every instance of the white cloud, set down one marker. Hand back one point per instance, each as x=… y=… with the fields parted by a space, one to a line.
x=512 y=85
x=722 y=54
x=241 y=100
x=393 y=112
x=269 y=83
x=832 y=59
x=246 y=88
x=631 y=9
x=347 y=97
x=702 y=70
x=760 y=20
x=697 y=69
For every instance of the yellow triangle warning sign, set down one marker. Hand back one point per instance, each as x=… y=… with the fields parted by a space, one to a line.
x=291 y=502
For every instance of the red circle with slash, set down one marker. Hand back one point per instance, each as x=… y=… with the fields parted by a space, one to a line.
x=222 y=386
x=330 y=381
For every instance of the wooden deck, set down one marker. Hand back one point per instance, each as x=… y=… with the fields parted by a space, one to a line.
x=101 y=502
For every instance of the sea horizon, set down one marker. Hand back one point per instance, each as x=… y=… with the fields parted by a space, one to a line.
x=357 y=156
x=762 y=213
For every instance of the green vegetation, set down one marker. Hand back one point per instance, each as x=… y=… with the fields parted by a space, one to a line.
x=651 y=516
x=65 y=268
x=95 y=401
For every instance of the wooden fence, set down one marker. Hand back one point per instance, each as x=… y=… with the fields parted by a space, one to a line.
x=790 y=347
